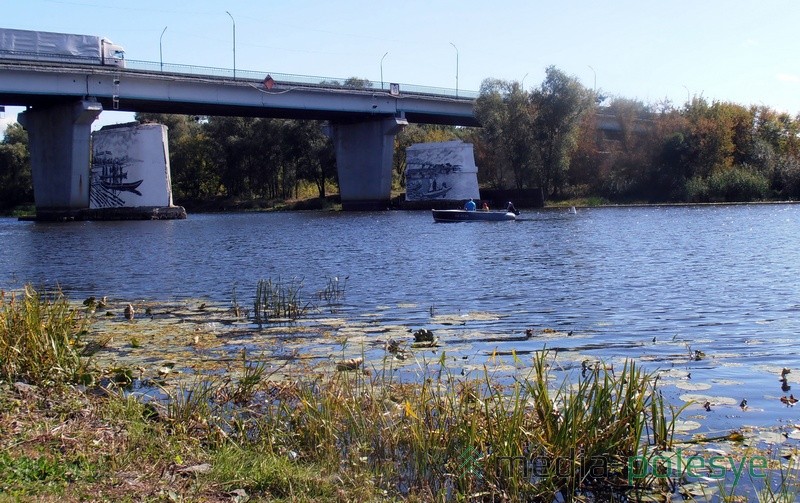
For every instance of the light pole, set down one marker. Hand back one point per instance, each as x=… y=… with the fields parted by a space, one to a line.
x=160 y=53
x=595 y=79
x=387 y=52
x=687 y=94
x=234 y=43
x=522 y=85
x=456 y=48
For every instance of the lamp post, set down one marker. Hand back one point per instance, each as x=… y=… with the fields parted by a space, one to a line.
x=456 y=48
x=594 y=88
x=160 y=53
x=234 y=43
x=522 y=85
x=384 y=55
x=687 y=94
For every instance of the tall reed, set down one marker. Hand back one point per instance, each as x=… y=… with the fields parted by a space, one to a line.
x=449 y=436
x=278 y=300
x=40 y=338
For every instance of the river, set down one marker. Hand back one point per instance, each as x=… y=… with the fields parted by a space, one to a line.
x=656 y=284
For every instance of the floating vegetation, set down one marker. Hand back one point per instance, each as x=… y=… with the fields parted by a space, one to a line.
x=424 y=335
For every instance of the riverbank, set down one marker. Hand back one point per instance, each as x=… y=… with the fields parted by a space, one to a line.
x=397 y=202
x=192 y=400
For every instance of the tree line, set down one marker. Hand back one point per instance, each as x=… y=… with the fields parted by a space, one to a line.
x=561 y=137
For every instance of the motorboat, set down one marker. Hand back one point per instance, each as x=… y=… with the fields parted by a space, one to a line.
x=472 y=216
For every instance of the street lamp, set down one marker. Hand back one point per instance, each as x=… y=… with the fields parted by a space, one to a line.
x=522 y=85
x=387 y=52
x=456 y=48
x=595 y=78
x=160 y=53
x=687 y=94
x=234 y=43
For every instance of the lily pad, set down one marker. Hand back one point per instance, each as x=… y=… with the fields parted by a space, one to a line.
x=692 y=386
x=715 y=400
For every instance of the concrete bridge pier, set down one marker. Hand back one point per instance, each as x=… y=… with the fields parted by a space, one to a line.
x=59 y=143
x=364 y=153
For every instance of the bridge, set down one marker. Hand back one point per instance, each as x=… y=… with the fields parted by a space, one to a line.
x=64 y=100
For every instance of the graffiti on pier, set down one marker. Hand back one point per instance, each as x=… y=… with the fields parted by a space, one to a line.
x=110 y=179
x=429 y=181
x=441 y=171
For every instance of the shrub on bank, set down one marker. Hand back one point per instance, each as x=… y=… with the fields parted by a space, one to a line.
x=737 y=184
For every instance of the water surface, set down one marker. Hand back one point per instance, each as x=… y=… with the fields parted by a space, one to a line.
x=651 y=283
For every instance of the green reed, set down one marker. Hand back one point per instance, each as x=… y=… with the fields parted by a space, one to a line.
x=278 y=300
x=334 y=290
x=452 y=435
x=41 y=338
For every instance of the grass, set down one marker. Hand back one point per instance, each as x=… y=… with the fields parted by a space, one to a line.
x=41 y=338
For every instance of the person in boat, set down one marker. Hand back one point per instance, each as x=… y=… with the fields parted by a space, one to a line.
x=485 y=206
x=470 y=206
x=511 y=209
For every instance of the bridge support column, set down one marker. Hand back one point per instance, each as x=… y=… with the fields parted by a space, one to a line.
x=364 y=153
x=59 y=143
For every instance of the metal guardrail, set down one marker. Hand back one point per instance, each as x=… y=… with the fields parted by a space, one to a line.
x=286 y=78
x=258 y=76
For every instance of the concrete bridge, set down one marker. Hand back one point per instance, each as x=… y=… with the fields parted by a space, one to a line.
x=63 y=100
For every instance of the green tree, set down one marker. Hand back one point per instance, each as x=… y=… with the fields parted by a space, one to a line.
x=194 y=176
x=312 y=152
x=506 y=147
x=16 y=186
x=560 y=104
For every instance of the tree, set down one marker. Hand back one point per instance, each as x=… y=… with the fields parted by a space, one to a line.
x=506 y=144
x=312 y=152
x=16 y=186
x=560 y=103
x=192 y=170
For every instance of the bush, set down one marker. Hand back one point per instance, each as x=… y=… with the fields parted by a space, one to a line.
x=737 y=184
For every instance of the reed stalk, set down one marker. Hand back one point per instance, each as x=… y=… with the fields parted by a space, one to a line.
x=278 y=301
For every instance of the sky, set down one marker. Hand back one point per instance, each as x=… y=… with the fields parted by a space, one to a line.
x=736 y=51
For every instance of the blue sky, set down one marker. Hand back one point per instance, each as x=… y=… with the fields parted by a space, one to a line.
x=737 y=51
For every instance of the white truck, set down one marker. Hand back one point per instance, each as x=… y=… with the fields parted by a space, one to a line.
x=59 y=47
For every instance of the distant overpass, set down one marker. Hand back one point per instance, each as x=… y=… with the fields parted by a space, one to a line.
x=64 y=99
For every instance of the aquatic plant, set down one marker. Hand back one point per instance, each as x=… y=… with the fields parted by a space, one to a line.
x=41 y=338
x=458 y=436
x=278 y=300
x=334 y=289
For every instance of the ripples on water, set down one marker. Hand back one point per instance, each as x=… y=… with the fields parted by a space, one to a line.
x=722 y=279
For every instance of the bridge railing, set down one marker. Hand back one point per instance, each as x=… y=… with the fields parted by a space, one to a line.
x=287 y=78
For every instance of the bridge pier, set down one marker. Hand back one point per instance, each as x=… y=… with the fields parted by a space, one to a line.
x=59 y=143
x=364 y=153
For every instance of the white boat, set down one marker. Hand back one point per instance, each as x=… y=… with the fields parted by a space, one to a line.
x=472 y=216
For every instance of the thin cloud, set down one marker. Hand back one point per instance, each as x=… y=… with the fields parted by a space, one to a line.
x=791 y=79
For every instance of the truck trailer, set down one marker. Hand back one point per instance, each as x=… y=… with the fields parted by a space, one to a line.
x=59 y=47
